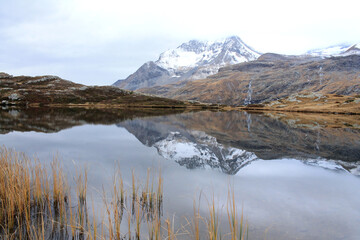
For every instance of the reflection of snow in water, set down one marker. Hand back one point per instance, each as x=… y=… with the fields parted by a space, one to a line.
x=248 y=121
x=204 y=152
x=323 y=163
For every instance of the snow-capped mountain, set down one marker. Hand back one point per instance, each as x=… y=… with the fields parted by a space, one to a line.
x=336 y=50
x=195 y=53
x=192 y=60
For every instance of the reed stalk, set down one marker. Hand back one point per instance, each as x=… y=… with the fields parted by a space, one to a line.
x=213 y=222
x=238 y=230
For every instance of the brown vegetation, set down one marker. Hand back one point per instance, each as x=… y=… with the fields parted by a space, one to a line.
x=31 y=207
x=312 y=103
x=56 y=92
x=269 y=78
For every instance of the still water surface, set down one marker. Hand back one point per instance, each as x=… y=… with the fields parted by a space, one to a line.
x=293 y=181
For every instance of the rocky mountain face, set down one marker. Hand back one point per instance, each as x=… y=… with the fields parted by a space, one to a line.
x=270 y=77
x=190 y=61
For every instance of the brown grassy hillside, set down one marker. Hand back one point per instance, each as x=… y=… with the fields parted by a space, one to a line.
x=269 y=78
x=54 y=91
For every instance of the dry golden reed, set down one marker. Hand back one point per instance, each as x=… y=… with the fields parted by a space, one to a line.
x=37 y=204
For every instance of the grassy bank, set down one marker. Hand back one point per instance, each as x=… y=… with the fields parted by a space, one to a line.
x=311 y=103
x=36 y=202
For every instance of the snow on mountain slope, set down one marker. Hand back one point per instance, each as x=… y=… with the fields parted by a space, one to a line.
x=329 y=51
x=353 y=50
x=192 y=60
x=336 y=50
x=196 y=53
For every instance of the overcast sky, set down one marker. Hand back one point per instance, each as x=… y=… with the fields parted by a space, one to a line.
x=98 y=42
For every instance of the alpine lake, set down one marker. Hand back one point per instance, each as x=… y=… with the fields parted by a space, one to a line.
x=294 y=176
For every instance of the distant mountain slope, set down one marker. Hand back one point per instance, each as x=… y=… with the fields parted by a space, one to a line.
x=271 y=77
x=191 y=60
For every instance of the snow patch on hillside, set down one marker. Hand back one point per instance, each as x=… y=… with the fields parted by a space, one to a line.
x=329 y=51
x=336 y=51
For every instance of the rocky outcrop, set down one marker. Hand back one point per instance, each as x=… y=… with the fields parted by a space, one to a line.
x=147 y=75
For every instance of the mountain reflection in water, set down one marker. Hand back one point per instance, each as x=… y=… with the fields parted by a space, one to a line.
x=231 y=140
x=219 y=140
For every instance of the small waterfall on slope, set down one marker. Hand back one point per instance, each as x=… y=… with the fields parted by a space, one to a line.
x=321 y=75
x=249 y=93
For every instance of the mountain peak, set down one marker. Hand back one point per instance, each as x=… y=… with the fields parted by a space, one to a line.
x=193 y=46
x=191 y=60
x=233 y=38
x=198 y=53
x=354 y=47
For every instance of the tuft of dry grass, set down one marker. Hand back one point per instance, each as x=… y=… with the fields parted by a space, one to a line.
x=29 y=208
